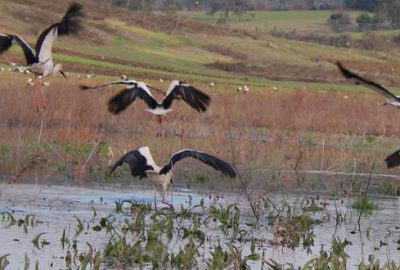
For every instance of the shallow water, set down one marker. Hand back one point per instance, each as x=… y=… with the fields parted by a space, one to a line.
x=57 y=207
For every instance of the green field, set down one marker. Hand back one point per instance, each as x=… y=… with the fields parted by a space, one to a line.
x=118 y=45
x=304 y=21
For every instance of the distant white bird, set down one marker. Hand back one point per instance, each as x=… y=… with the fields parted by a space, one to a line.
x=30 y=82
x=142 y=165
x=41 y=62
x=177 y=90
x=391 y=99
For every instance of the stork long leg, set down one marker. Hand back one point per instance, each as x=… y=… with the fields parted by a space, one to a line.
x=41 y=100
x=164 y=201
x=155 y=201
x=178 y=133
x=44 y=98
x=159 y=120
x=163 y=132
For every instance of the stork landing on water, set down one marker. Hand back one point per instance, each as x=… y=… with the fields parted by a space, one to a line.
x=142 y=165
x=177 y=90
x=391 y=99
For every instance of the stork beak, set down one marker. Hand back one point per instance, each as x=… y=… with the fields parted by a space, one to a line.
x=62 y=73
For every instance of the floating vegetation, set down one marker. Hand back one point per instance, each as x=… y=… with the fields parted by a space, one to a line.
x=196 y=234
x=365 y=205
x=4 y=261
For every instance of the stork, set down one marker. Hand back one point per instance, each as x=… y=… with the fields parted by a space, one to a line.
x=40 y=61
x=391 y=99
x=177 y=90
x=142 y=165
x=393 y=160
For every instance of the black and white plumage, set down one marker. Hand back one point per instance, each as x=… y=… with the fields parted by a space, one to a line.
x=177 y=90
x=40 y=61
x=142 y=165
x=393 y=160
x=391 y=99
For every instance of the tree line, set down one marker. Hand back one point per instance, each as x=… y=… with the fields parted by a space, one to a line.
x=379 y=14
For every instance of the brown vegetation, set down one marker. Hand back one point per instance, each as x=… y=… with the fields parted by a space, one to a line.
x=270 y=129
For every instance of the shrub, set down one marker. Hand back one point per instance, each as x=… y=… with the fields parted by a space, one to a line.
x=339 y=21
x=366 y=22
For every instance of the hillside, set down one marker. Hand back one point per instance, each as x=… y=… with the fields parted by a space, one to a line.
x=155 y=45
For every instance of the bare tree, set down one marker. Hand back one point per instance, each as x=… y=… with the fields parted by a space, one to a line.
x=229 y=6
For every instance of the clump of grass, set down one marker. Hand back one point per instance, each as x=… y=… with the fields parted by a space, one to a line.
x=4 y=261
x=365 y=205
x=336 y=258
x=35 y=240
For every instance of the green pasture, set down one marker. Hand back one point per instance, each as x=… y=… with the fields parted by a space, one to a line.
x=129 y=48
x=307 y=21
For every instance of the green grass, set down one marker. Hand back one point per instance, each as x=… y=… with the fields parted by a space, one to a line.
x=184 y=55
x=301 y=20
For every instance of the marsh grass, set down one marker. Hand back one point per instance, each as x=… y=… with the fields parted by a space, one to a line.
x=365 y=205
x=202 y=236
x=4 y=261
x=295 y=130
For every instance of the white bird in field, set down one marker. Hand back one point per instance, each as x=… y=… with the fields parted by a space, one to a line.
x=391 y=99
x=40 y=61
x=177 y=90
x=142 y=165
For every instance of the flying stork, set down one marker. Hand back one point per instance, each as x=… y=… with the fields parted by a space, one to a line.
x=40 y=61
x=142 y=165
x=177 y=90
x=391 y=99
x=393 y=160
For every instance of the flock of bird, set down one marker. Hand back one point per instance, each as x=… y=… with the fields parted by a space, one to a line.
x=140 y=161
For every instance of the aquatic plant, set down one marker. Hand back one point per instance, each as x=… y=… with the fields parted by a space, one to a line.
x=365 y=205
x=186 y=257
x=64 y=239
x=375 y=264
x=35 y=240
x=335 y=259
x=227 y=217
x=4 y=261
x=79 y=226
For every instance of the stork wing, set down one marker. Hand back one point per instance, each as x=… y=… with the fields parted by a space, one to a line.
x=124 y=82
x=192 y=96
x=69 y=24
x=123 y=99
x=208 y=159
x=137 y=163
x=6 y=42
x=367 y=83
x=393 y=160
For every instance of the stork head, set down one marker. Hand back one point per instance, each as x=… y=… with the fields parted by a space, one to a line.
x=58 y=68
